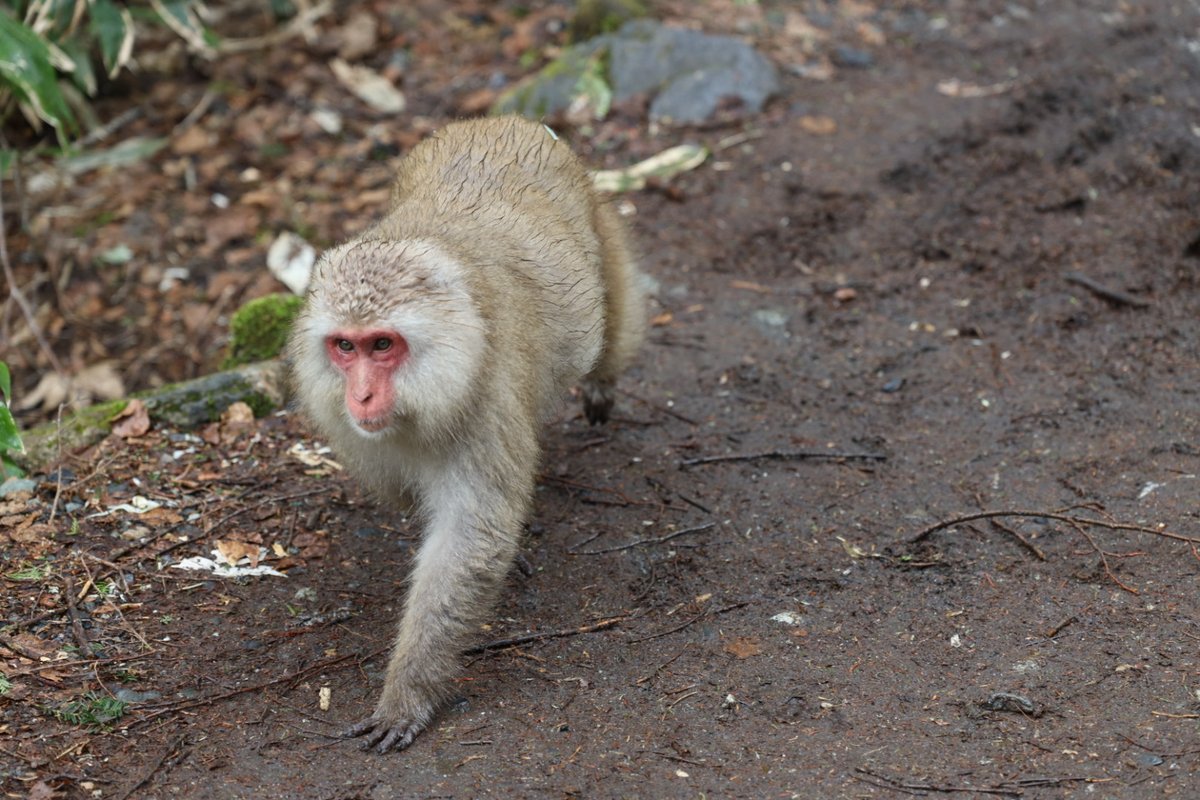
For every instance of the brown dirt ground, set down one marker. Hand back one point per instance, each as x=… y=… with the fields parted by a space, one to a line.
x=896 y=286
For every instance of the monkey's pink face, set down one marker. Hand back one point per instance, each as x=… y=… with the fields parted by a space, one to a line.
x=369 y=359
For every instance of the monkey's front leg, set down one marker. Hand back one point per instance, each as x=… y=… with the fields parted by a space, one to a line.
x=459 y=570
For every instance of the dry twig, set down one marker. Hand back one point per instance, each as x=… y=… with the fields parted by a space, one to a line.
x=1106 y=292
x=1028 y=545
x=500 y=644
x=639 y=542
x=918 y=788
x=1076 y=522
x=784 y=455
x=1055 y=515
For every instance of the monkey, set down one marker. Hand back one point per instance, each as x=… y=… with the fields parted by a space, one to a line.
x=433 y=346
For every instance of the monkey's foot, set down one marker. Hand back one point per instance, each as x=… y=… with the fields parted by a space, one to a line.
x=598 y=399
x=385 y=735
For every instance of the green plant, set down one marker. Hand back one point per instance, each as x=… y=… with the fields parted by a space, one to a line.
x=34 y=572
x=5 y=684
x=42 y=41
x=94 y=710
x=10 y=437
x=126 y=675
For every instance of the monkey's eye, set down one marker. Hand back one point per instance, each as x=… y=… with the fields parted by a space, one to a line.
x=382 y=343
x=345 y=345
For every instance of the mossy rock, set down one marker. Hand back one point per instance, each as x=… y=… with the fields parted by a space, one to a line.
x=77 y=431
x=190 y=404
x=597 y=17
x=552 y=88
x=259 y=329
x=185 y=406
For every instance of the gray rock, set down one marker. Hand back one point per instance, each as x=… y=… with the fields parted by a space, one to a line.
x=690 y=72
x=686 y=73
x=14 y=485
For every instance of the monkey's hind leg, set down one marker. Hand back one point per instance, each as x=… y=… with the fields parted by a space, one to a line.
x=625 y=318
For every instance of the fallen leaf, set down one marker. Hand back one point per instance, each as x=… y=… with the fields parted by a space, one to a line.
x=953 y=87
x=870 y=34
x=100 y=381
x=233 y=552
x=291 y=260
x=236 y=420
x=358 y=37
x=211 y=433
x=313 y=458
x=13 y=520
x=29 y=643
x=14 y=505
x=665 y=318
x=263 y=198
x=194 y=140
x=162 y=516
x=31 y=532
x=134 y=420
x=234 y=223
x=750 y=286
x=477 y=102
x=136 y=505
x=852 y=550
x=743 y=647
x=369 y=86
x=311 y=544
x=51 y=392
x=819 y=126
x=797 y=26
x=669 y=162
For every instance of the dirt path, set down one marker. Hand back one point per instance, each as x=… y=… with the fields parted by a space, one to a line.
x=901 y=287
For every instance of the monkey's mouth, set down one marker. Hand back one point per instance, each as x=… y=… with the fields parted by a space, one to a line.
x=373 y=425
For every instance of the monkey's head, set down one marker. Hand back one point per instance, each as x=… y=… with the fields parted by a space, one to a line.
x=389 y=341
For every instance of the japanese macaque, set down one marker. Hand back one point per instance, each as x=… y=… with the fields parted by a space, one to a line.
x=434 y=345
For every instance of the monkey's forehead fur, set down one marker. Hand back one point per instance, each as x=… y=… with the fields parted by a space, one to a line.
x=361 y=281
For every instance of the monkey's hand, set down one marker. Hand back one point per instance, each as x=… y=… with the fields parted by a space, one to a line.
x=386 y=731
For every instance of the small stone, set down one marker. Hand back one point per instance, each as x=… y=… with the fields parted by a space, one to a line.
x=852 y=58
x=126 y=695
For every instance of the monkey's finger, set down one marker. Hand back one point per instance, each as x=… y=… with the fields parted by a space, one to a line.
x=359 y=728
x=400 y=737
x=375 y=736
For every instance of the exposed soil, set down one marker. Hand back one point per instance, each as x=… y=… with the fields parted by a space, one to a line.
x=897 y=283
